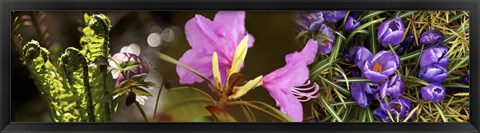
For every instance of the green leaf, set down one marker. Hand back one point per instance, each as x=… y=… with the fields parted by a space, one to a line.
x=371 y=14
x=338 y=87
x=330 y=110
x=440 y=112
x=184 y=104
x=361 y=27
x=140 y=92
x=128 y=65
x=240 y=91
x=265 y=109
x=73 y=66
x=406 y=14
x=373 y=38
x=461 y=62
x=220 y=115
x=95 y=39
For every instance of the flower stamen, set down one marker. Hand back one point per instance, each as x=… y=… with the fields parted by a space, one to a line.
x=377 y=67
x=326 y=42
x=307 y=91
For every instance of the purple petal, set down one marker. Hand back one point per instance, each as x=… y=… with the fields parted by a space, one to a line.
x=199 y=62
x=201 y=35
x=372 y=75
x=437 y=54
x=382 y=29
x=393 y=38
x=362 y=55
x=389 y=68
x=287 y=102
x=399 y=21
x=359 y=95
x=307 y=55
x=280 y=82
x=231 y=24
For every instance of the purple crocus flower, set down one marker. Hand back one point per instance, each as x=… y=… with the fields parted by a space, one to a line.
x=309 y=20
x=433 y=73
x=355 y=14
x=391 y=32
x=284 y=83
x=434 y=92
x=399 y=108
x=325 y=46
x=381 y=115
x=333 y=16
x=435 y=55
x=221 y=35
x=392 y=87
x=361 y=56
x=349 y=56
x=407 y=42
x=359 y=95
x=364 y=93
x=430 y=37
x=351 y=24
x=121 y=60
x=371 y=88
x=382 y=65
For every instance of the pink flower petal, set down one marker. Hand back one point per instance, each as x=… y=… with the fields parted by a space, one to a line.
x=199 y=62
x=200 y=34
x=280 y=82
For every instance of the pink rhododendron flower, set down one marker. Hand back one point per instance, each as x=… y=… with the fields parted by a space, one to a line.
x=221 y=35
x=287 y=84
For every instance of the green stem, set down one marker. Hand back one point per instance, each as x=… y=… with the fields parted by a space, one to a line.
x=141 y=111
x=158 y=98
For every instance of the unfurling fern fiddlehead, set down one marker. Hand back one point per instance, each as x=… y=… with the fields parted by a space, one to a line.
x=79 y=89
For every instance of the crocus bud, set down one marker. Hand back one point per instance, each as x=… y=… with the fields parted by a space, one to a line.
x=351 y=24
x=407 y=42
x=391 y=32
x=433 y=74
x=434 y=92
x=435 y=55
x=349 y=56
x=334 y=16
x=430 y=37
x=392 y=87
x=325 y=46
x=309 y=20
x=359 y=95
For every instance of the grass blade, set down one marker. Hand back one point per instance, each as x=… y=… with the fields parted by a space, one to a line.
x=324 y=102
